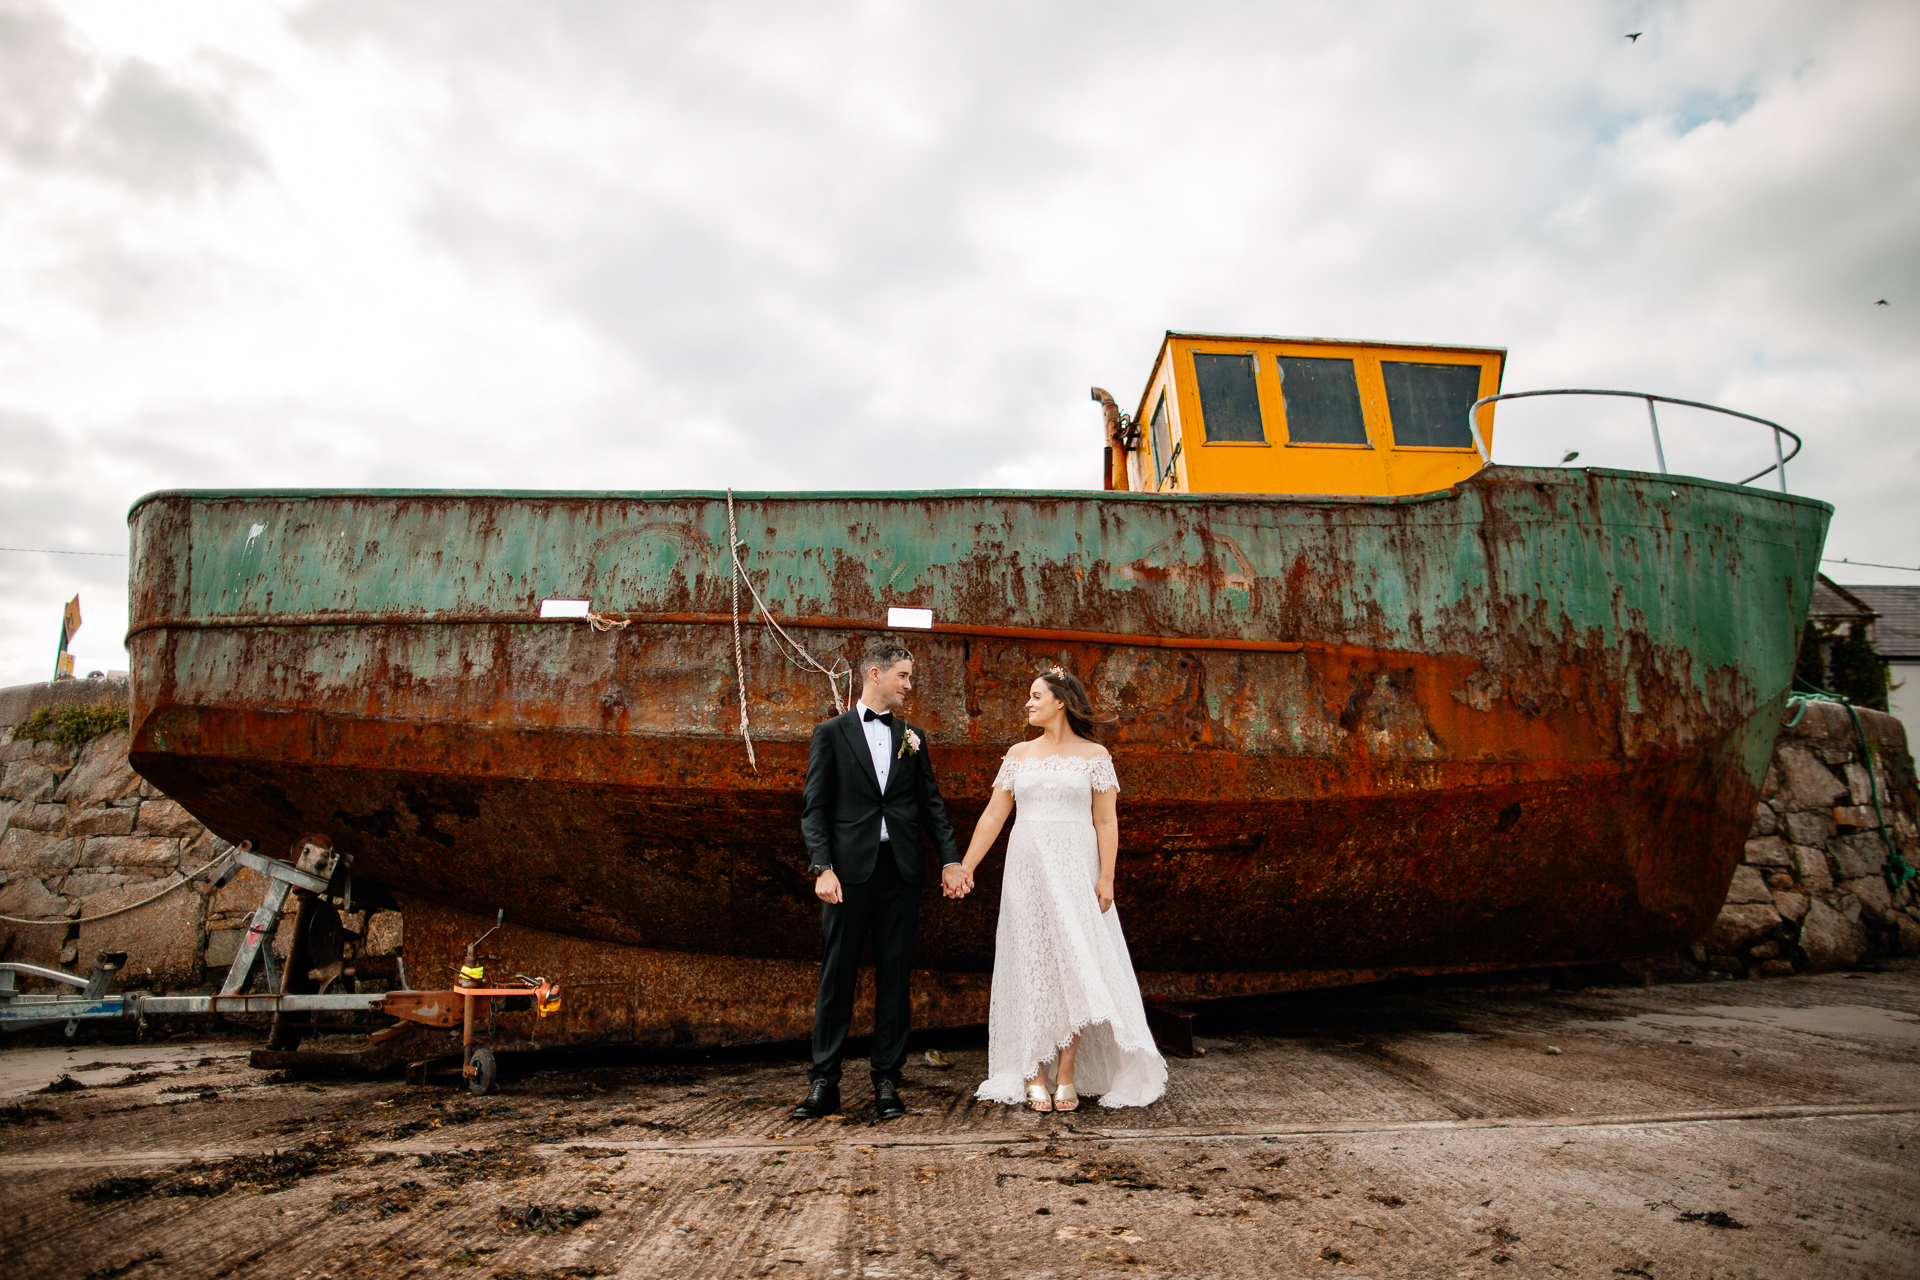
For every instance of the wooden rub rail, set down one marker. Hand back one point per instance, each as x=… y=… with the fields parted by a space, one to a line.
x=345 y=618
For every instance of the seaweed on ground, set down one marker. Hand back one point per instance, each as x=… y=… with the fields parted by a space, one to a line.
x=110 y=1189
x=384 y=1201
x=119 y=1266
x=1118 y=1173
x=546 y=1219
x=273 y=1171
x=457 y=1168
x=196 y=1184
x=278 y=1170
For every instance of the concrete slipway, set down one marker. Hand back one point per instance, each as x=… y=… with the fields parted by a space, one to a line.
x=1735 y=1129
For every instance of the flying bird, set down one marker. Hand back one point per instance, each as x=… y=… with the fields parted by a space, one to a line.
x=1571 y=455
x=1634 y=36
x=1883 y=303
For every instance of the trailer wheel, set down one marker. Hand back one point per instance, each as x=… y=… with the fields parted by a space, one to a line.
x=486 y=1073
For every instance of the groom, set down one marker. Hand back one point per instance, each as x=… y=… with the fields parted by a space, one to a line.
x=870 y=790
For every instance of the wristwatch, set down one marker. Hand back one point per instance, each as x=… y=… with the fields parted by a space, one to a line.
x=816 y=871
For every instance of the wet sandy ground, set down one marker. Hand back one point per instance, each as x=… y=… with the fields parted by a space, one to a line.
x=1760 y=1129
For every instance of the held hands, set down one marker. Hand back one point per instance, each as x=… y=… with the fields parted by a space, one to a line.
x=1104 y=892
x=955 y=881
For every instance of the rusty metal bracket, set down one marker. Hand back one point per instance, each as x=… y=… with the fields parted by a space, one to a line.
x=447 y=1008
x=439 y=1064
x=428 y=1008
x=1173 y=460
x=1172 y=1027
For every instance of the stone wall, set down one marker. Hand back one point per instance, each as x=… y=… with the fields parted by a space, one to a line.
x=81 y=834
x=1811 y=893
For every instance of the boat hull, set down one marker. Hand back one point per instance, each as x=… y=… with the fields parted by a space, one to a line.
x=1521 y=722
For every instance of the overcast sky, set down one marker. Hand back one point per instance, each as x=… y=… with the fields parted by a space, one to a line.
x=613 y=245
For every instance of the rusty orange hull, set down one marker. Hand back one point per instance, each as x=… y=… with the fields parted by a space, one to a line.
x=1522 y=722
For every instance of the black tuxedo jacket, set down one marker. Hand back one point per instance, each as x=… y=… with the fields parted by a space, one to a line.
x=843 y=804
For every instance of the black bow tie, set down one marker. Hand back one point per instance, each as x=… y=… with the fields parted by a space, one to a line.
x=878 y=715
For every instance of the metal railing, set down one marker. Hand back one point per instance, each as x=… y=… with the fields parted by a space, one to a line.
x=1781 y=458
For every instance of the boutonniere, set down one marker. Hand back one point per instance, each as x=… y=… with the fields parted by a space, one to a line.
x=909 y=745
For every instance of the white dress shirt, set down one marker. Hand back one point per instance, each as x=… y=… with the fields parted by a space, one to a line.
x=880 y=743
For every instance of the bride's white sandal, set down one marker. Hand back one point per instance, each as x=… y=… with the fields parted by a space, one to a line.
x=1065 y=1099
x=1037 y=1098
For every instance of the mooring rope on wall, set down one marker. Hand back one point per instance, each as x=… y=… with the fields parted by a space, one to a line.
x=786 y=644
x=832 y=674
x=841 y=667
x=189 y=878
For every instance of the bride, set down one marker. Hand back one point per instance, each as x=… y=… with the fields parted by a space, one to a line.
x=1064 y=992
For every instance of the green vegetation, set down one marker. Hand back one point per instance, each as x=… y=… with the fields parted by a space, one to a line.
x=1810 y=667
x=1855 y=671
x=72 y=726
x=1846 y=664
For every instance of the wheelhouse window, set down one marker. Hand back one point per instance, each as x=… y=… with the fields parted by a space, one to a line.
x=1229 y=405
x=1323 y=400
x=1162 y=444
x=1429 y=402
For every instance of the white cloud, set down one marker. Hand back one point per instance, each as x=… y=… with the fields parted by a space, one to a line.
x=890 y=246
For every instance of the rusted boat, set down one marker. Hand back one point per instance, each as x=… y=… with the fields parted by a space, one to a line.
x=1459 y=717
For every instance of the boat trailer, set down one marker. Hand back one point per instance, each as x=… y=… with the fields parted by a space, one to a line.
x=468 y=1004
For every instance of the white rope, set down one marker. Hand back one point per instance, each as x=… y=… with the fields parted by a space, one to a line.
x=766 y=615
x=191 y=876
x=786 y=644
x=832 y=674
x=840 y=665
x=739 y=656
x=601 y=622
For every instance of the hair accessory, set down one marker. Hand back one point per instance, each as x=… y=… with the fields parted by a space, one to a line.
x=1055 y=670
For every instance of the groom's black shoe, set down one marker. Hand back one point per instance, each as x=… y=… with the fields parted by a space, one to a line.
x=822 y=1099
x=886 y=1100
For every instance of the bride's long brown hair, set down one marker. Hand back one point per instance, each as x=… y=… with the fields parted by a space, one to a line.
x=1080 y=717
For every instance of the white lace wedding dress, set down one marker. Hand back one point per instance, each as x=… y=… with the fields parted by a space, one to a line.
x=1060 y=964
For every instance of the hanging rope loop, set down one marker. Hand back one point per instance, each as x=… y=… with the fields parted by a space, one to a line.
x=792 y=650
x=186 y=878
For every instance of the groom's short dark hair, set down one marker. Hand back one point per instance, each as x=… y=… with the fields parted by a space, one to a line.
x=884 y=654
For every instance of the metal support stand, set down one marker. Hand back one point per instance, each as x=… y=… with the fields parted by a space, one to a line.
x=469 y=1006
x=284 y=1034
x=312 y=872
